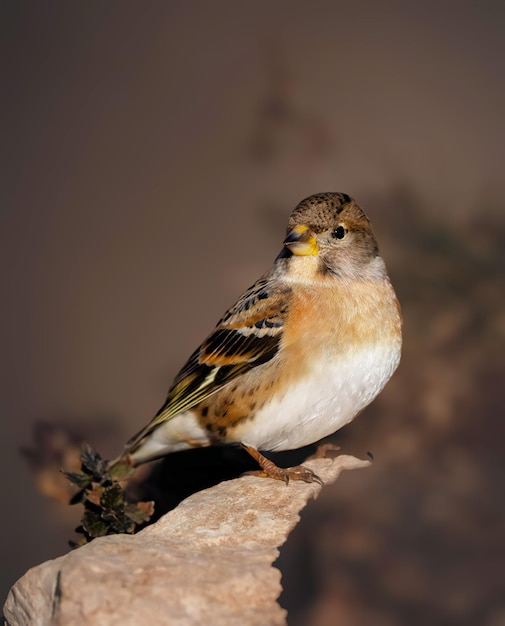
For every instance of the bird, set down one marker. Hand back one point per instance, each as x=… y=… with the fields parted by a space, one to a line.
x=302 y=351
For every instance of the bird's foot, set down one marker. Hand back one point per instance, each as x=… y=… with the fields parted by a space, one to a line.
x=270 y=470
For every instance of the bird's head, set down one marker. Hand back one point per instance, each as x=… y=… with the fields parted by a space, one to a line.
x=333 y=228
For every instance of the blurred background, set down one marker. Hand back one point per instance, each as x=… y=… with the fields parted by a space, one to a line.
x=151 y=154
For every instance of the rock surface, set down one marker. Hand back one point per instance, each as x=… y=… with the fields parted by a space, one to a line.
x=209 y=561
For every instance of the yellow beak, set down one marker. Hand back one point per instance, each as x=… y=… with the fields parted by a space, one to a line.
x=302 y=241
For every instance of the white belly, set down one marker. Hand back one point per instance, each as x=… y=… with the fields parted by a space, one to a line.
x=322 y=404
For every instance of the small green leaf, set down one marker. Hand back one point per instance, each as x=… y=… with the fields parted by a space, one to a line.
x=113 y=498
x=91 y=460
x=78 y=478
x=120 y=471
x=123 y=525
x=140 y=512
x=93 y=524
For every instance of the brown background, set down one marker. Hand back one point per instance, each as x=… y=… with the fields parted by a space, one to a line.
x=151 y=155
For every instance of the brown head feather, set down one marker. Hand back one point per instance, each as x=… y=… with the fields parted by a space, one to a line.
x=323 y=211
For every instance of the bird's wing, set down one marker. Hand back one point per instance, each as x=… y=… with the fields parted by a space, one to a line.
x=248 y=335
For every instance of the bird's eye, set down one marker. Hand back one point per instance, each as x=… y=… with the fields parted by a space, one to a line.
x=339 y=232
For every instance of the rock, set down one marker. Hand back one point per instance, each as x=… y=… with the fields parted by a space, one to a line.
x=209 y=561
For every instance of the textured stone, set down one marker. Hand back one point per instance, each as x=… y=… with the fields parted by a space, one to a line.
x=209 y=561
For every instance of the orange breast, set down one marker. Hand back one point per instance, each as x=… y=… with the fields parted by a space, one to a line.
x=323 y=323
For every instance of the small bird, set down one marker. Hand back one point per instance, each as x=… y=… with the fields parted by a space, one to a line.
x=300 y=353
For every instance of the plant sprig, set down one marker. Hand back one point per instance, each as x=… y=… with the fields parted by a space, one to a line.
x=107 y=510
